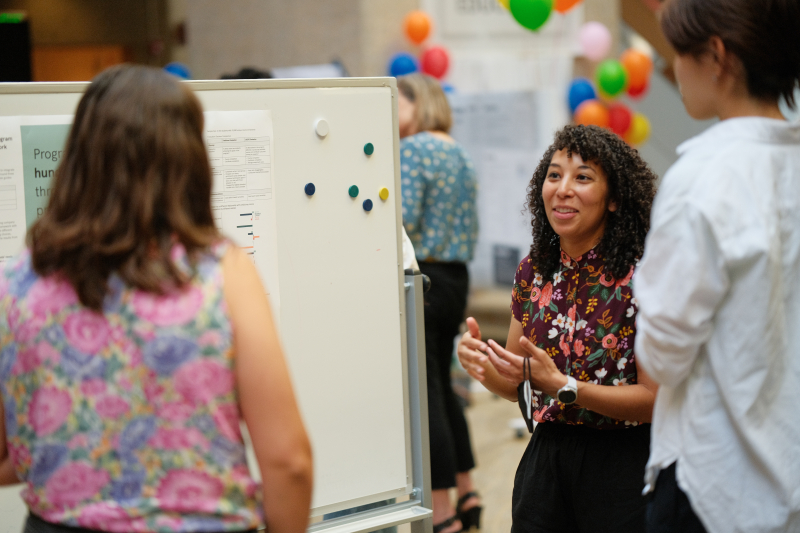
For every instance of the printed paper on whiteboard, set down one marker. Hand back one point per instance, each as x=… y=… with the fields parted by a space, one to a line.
x=240 y=148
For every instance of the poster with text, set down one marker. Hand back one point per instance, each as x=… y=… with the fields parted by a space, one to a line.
x=30 y=150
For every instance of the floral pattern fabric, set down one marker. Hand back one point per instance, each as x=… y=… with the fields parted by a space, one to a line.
x=586 y=321
x=439 y=194
x=128 y=420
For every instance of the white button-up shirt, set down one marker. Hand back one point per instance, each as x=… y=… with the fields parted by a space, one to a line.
x=719 y=325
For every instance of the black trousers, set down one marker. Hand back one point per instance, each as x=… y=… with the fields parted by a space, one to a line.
x=669 y=511
x=445 y=304
x=576 y=479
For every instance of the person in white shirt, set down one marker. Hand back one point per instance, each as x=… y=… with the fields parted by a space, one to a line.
x=718 y=286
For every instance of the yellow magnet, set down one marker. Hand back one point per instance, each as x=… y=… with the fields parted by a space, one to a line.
x=384 y=193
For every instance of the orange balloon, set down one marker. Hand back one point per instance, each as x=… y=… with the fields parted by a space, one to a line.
x=592 y=112
x=417 y=26
x=638 y=66
x=562 y=6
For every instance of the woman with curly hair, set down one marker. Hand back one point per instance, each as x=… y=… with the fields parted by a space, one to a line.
x=569 y=356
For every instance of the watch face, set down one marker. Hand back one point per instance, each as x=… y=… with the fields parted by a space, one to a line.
x=567 y=396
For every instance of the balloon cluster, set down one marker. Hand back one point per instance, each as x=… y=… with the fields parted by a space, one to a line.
x=532 y=14
x=434 y=60
x=613 y=78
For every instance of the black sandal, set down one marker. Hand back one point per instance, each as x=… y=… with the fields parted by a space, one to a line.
x=471 y=517
x=447 y=523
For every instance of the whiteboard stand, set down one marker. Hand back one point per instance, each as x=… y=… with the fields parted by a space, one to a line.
x=417 y=510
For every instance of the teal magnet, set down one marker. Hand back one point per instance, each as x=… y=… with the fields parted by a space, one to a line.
x=353 y=191
x=369 y=149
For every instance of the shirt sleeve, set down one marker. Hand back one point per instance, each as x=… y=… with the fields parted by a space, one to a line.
x=409 y=258
x=413 y=186
x=679 y=284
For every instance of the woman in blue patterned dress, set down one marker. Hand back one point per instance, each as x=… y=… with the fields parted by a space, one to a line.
x=439 y=214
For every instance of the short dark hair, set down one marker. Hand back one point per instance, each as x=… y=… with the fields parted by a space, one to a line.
x=763 y=34
x=631 y=184
x=135 y=180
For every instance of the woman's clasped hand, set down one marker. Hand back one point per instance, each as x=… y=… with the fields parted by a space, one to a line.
x=474 y=354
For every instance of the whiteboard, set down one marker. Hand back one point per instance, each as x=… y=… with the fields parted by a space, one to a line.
x=341 y=313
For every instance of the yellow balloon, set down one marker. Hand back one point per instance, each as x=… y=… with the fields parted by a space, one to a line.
x=504 y=3
x=639 y=131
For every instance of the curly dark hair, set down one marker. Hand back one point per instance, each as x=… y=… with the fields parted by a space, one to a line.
x=631 y=185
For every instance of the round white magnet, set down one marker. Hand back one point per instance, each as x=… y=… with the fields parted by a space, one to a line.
x=322 y=128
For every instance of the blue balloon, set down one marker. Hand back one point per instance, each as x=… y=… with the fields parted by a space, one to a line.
x=402 y=64
x=179 y=70
x=580 y=90
x=447 y=88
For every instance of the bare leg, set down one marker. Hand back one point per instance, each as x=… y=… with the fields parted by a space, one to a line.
x=465 y=486
x=443 y=509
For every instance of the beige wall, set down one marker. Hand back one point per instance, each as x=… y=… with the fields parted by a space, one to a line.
x=279 y=33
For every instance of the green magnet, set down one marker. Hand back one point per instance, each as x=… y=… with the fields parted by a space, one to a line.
x=369 y=149
x=353 y=191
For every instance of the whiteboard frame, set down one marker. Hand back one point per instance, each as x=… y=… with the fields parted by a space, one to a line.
x=417 y=509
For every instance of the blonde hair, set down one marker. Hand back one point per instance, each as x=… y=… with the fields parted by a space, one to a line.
x=432 y=112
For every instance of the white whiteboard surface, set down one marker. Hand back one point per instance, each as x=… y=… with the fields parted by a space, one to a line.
x=341 y=283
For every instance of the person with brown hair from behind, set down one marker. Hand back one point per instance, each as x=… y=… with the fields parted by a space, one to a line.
x=135 y=337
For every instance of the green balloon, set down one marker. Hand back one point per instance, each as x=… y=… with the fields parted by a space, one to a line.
x=532 y=14
x=611 y=77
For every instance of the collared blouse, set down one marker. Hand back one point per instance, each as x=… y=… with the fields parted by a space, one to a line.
x=586 y=321
x=719 y=327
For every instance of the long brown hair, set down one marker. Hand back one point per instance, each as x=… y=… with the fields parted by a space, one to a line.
x=134 y=181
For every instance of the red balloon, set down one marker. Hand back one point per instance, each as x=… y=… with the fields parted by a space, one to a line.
x=435 y=61
x=638 y=91
x=619 y=118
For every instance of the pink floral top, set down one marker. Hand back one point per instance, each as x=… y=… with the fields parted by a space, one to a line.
x=586 y=320
x=126 y=420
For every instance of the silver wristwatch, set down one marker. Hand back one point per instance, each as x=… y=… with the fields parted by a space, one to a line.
x=568 y=393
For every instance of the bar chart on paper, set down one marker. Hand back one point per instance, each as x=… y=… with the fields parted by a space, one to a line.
x=240 y=152
x=247 y=234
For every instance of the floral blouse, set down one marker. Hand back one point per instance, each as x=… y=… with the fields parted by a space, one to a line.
x=586 y=321
x=125 y=420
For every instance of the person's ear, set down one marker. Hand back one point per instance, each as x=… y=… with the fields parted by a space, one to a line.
x=719 y=55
